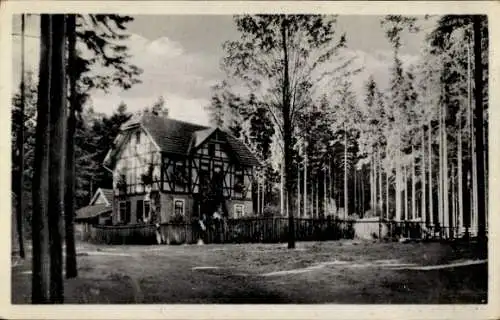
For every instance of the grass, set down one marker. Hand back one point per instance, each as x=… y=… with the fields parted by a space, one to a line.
x=243 y=273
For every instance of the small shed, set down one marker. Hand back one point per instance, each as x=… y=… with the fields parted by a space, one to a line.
x=97 y=212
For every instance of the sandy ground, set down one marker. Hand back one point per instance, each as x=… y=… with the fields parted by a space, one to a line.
x=316 y=272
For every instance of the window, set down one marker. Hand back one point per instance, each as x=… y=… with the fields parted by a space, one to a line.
x=124 y=211
x=147 y=209
x=239 y=210
x=143 y=210
x=204 y=177
x=138 y=137
x=211 y=149
x=140 y=210
x=238 y=183
x=219 y=151
x=178 y=207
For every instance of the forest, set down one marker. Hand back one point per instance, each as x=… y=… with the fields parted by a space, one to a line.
x=415 y=151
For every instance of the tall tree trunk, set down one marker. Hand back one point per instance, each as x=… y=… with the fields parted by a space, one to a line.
x=478 y=112
x=405 y=179
x=19 y=179
x=387 y=195
x=40 y=225
x=263 y=198
x=460 y=180
x=57 y=156
x=329 y=183
x=429 y=154
x=375 y=182
x=346 y=200
x=474 y=213
x=371 y=185
x=287 y=130
x=440 y=198
x=375 y=192
x=446 y=195
x=398 y=186
x=424 y=185
x=324 y=193
x=413 y=185
x=305 y=183
x=485 y=158
x=470 y=146
x=282 y=190
x=71 y=268
x=356 y=211
x=298 y=190
x=287 y=204
x=362 y=194
x=380 y=204
x=317 y=197
x=258 y=198
x=312 y=198
x=453 y=200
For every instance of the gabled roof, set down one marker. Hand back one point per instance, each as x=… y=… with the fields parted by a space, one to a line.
x=170 y=135
x=179 y=137
x=106 y=193
x=200 y=136
x=92 y=211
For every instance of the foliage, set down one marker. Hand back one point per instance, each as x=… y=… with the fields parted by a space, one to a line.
x=274 y=75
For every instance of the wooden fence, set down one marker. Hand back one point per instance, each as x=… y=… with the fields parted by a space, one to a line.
x=249 y=230
x=128 y=234
x=261 y=230
x=268 y=230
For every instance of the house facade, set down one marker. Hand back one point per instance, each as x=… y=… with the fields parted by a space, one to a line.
x=166 y=170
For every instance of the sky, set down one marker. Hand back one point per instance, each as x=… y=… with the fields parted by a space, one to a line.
x=180 y=57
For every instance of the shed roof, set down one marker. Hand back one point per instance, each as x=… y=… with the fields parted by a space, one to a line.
x=108 y=194
x=92 y=211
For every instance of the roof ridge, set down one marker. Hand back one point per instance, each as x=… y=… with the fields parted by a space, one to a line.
x=176 y=120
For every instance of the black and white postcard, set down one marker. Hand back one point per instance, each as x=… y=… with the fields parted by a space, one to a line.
x=249 y=159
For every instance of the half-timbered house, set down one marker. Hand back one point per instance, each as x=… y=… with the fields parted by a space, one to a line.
x=167 y=170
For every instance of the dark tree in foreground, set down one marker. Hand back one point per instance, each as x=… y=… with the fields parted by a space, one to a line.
x=69 y=195
x=40 y=224
x=478 y=113
x=57 y=129
x=101 y=35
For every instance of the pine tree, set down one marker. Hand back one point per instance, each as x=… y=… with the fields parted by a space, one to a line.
x=69 y=196
x=57 y=155
x=268 y=45
x=40 y=222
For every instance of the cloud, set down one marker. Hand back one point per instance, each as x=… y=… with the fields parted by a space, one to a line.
x=183 y=78
x=181 y=108
x=164 y=48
